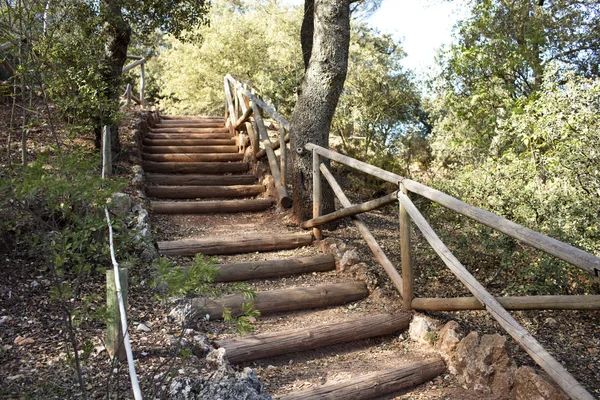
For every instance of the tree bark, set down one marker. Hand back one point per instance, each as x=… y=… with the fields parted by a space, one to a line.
x=317 y=98
x=307 y=31
x=118 y=36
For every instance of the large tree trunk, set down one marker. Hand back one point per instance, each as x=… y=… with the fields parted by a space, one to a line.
x=317 y=98
x=118 y=36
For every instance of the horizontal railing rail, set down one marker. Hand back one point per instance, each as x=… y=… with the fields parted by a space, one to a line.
x=482 y=299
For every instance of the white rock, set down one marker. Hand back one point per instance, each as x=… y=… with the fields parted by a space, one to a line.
x=143 y=328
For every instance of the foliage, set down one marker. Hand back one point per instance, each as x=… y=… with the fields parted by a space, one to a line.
x=196 y=279
x=58 y=209
x=257 y=41
x=378 y=117
x=544 y=175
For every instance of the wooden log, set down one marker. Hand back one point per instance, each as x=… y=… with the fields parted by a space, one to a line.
x=189 y=149
x=282 y=300
x=234 y=244
x=210 y=207
x=552 y=367
x=284 y=200
x=196 y=167
x=380 y=256
x=133 y=65
x=229 y=102
x=142 y=85
x=274 y=146
x=247 y=112
x=259 y=102
x=198 y=192
x=589 y=302
x=282 y=156
x=200 y=180
x=405 y=255
x=191 y=117
x=193 y=157
x=114 y=331
x=188 y=124
x=185 y=136
x=188 y=130
x=350 y=211
x=274 y=268
x=189 y=142
x=106 y=152
x=308 y=338
x=317 y=193
x=373 y=385
x=561 y=250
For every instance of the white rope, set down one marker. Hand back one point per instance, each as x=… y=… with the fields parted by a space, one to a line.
x=135 y=385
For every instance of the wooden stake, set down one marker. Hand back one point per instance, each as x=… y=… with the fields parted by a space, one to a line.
x=317 y=193
x=380 y=256
x=405 y=252
x=106 y=153
x=114 y=332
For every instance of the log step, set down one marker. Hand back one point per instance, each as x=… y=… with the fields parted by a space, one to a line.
x=191 y=118
x=234 y=244
x=188 y=124
x=200 y=180
x=373 y=385
x=196 y=167
x=273 y=344
x=274 y=268
x=189 y=142
x=193 y=157
x=182 y=130
x=177 y=136
x=210 y=207
x=272 y=301
x=203 y=192
x=189 y=149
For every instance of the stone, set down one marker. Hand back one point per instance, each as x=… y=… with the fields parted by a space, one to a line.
x=448 y=340
x=530 y=386
x=142 y=328
x=349 y=259
x=422 y=329
x=149 y=254
x=484 y=364
x=333 y=246
x=120 y=204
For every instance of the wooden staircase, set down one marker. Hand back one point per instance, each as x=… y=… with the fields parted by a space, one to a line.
x=195 y=171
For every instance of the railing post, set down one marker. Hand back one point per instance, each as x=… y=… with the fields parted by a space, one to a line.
x=282 y=155
x=142 y=85
x=128 y=94
x=405 y=253
x=106 y=152
x=317 y=191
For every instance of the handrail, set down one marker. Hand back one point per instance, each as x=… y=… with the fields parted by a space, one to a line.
x=483 y=299
x=141 y=61
x=564 y=251
x=243 y=107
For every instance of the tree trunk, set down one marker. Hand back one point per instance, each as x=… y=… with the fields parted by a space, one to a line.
x=307 y=31
x=317 y=98
x=118 y=36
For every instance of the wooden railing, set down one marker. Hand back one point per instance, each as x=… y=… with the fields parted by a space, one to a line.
x=244 y=115
x=482 y=298
x=140 y=61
